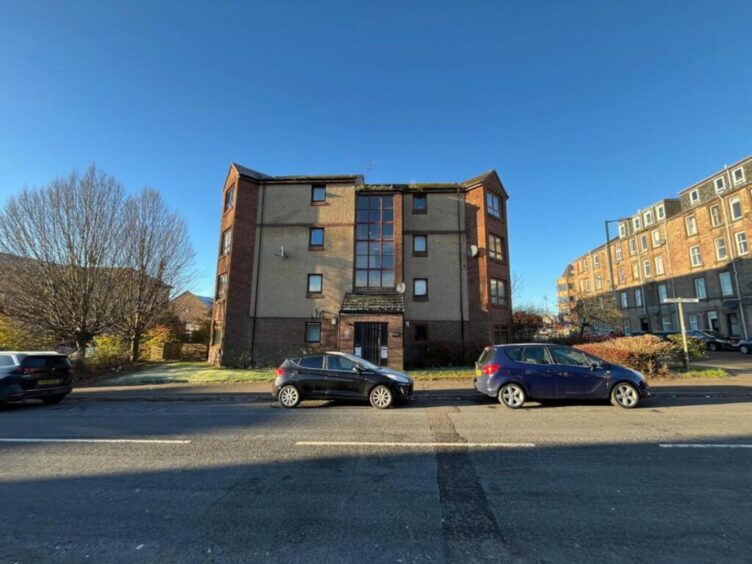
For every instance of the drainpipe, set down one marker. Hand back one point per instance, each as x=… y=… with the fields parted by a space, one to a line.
x=459 y=271
x=257 y=273
x=732 y=245
x=670 y=264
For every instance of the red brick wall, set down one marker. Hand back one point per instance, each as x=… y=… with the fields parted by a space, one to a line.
x=394 y=326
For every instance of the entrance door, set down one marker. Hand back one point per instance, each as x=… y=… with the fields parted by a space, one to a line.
x=733 y=323
x=369 y=340
x=713 y=321
x=644 y=325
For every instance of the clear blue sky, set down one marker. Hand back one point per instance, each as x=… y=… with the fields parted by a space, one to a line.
x=588 y=110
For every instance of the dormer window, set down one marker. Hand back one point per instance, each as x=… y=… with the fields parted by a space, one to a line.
x=637 y=223
x=720 y=185
x=660 y=212
x=648 y=216
x=694 y=197
x=622 y=230
x=738 y=175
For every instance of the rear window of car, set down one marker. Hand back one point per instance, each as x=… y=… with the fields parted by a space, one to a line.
x=34 y=362
x=312 y=362
x=6 y=360
x=485 y=355
x=58 y=361
x=514 y=353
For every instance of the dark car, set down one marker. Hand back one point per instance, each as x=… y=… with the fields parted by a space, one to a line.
x=516 y=373
x=336 y=375
x=47 y=376
x=714 y=340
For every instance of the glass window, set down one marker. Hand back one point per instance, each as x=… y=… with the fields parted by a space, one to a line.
x=720 y=185
x=570 y=357
x=660 y=212
x=694 y=197
x=648 y=215
x=694 y=322
x=420 y=287
x=638 y=297
x=6 y=360
x=374 y=259
x=230 y=199
x=736 y=208
x=421 y=332
x=514 y=353
x=420 y=203
x=715 y=215
x=226 y=241
x=662 y=293
x=666 y=322
x=316 y=237
x=632 y=247
x=659 y=268
x=596 y=261
x=618 y=253
x=493 y=204
x=315 y=283
x=499 y=292
x=535 y=355
x=726 y=288
x=315 y=362
x=691 y=225
x=221 y=285
x=318 y=193
x=646 y=269
x=637 y=223
x=313 y=335
x=700 y=291
x=337 y=362
x=496 y=248
x=420 y=244
x=644 y=242
x=624 y=300
x=694 y=256
x=738 y=175
x=34 y=362
x=721 y=252
x=656 y=233
x=742 y=246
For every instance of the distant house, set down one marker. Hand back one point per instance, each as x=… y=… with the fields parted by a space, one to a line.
x=192 y=310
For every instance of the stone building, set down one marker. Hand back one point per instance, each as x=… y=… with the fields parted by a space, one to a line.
x=192 y=310
x=397 y=274
x=693 y=246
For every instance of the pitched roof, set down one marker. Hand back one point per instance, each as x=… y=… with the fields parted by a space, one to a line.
x=373 y=303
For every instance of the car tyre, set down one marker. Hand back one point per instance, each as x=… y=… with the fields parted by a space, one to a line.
x=744 y=349
x=625 y=395
x=381 y=397
x=713 y=347
x=52 y=400
x=512 y=396
x=289 y=396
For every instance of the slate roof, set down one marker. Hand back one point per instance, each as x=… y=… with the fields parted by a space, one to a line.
x=373 y=303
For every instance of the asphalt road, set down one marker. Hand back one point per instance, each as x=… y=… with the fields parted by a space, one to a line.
x=246 y=482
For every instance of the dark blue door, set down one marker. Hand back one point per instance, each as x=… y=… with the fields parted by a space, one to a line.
x=538 y=372
x=579 y=375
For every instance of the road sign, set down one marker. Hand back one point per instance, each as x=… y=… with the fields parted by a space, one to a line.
x=681 y=301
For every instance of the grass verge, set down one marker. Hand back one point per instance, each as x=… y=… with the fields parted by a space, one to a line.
x=701 y=373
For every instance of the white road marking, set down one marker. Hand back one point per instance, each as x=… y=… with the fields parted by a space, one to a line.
x=414 y=445
x=704 y=445
x=115 y=441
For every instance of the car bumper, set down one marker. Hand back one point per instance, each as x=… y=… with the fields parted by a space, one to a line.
x=482 y=384
x=404 y=391
x=17 y=393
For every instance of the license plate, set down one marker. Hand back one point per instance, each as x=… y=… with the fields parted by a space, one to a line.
x=47 y=382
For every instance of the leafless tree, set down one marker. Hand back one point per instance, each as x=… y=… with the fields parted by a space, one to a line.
x=64 y=245
x=158 y=256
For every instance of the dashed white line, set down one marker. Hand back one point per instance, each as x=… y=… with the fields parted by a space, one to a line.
x=704 y=445
x=414 y=445
x=114 y=441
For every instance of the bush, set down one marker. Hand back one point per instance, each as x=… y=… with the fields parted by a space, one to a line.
x=696 y=347
x=648 y=354
x=110 y=351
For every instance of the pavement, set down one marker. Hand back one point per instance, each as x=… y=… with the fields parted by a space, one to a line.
x=446 y=478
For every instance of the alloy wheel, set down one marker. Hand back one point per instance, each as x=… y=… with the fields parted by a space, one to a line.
x=744 y=349
x=289 y=396
x=626 y=395
x=381 y=397
x=512 y=396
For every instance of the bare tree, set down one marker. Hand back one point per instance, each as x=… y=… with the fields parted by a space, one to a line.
x=158 y=256
x=64 y=245
x=593 y=312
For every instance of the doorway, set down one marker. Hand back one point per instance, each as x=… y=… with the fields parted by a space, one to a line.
x=735 y=329
x=371 y=342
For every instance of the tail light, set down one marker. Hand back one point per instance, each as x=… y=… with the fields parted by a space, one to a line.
x=280 y=371
x=23 y=370
x=489 y=369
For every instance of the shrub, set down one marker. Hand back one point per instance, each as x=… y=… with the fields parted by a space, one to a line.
x=696 y=347
x=110 y=351
x=648 y=354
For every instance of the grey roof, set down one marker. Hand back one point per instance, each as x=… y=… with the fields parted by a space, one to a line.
x=245 y=171
x=207 y=300
x=256 y=175
x=373 y=303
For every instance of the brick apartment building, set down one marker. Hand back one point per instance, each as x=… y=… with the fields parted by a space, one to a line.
x=693 y=246
x=397 y=274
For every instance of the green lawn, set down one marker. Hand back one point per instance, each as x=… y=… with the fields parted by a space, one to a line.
x=701 y=373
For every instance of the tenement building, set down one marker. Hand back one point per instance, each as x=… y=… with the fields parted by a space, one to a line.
x=693 y=246
x=395 y=273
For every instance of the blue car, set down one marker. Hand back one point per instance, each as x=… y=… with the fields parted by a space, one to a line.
x=516 y=373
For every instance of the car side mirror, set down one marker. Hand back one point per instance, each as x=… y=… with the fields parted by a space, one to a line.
x=593 y=366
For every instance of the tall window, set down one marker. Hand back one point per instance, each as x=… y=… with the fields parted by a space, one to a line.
x=721 y=253
x=736 y=208
x=420 y=203
x=499 y=292
x=635 y=272
x=420 y=245
x=662 y=293
x=318 y=193
x=742 y=246
x=738 y=175
x=691 y=225
x=695 y=257
x=222 y=286
x=694 y=322
x=624 y=300
x=622 y=230
x=374 y=253
x=315 y=283
x=637 y=223
x=313 y=332
x=644 y=243
x=659 y=268
x=226 y=241
x=496 y=248
x=632 y=247
x=694 y=197
x=618 y=253
x=720 y=185
x=230 y=199
x=638 y=297
x=666 y=322
x=656 y=234
x=715 y=215
x=660 y=212
x=420 y=288
x=700 y=291
x=646 y=269
x=493 y=204
x=316 y=238
x=726 y=288
x=648 y=216
x=596 y=261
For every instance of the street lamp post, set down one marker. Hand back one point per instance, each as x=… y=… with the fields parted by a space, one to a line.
x=681 y=302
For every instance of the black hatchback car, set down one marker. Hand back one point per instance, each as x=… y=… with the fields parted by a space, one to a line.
x=515 y=373
x=336 y=375
x=47 y=376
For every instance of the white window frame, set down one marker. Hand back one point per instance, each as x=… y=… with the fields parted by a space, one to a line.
x=635 y=271
x=742 y=243
x=732 y=201
x=715 y=219
x=622 y=230
x=720 y=243
x=741 y=178
x=660 y=268
x=701 y=291
x=617 y=252
x=724 y=278
x=647 y=269
x=660 y=212
x=644 y=243
x=587 y=285
x=637 y=223
x=694 y=197
x=596 y=261
x=598 y=283
x=662 y=293
x=698 y=256
x=656 y=235
x=632 y=246
x=693 y=230
x=638 y=297
x=647 y=218
x=720 y=185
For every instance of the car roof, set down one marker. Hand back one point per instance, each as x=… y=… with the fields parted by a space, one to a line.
x=49 y=353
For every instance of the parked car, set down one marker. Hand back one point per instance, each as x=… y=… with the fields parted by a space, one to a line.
x=336 y=375
x=515 y=373
x=745 y=346
x=714 y=340
x=47 y=376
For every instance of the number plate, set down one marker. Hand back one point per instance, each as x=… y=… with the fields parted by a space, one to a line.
x=47 y=382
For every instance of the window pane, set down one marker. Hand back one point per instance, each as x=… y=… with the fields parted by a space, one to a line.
x=388 y=248
x=374 y=262
x=317 y=237
x=362 y=248
x=569 y=357
x=361 y=261
x=387 y=262
x=375 y=248
x=389 y=231
x=419 y=243
x=361 y=278
x=388 y=202
x=388 y=215
x=387 y=278
x=419 y=202
x=375 y=202
x=420 y=287
x=362 y=231
x=362 y=202
x=315 y=362
x=374 y=278
x=363 y=216
x=375 y=216
x=374 y=231
x=314 y=283
x=318 y=194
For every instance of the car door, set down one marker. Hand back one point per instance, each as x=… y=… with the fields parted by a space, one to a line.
x=343 y=378
x=538 y=372
x=580 y=375
x=311 y=376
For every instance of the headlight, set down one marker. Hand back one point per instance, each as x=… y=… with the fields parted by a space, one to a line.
x=398 y=378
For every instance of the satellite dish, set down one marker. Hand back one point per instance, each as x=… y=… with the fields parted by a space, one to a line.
x=400 y=288
x=474 y=250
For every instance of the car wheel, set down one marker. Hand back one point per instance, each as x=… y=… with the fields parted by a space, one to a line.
x=381 y=397
x=52 y=400
x=713 y=346
x=289 y=396
x=512 y=396
x=625 y=395
x=744 y=349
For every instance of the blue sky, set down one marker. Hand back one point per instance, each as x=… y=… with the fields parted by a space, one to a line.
x=588 y=110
